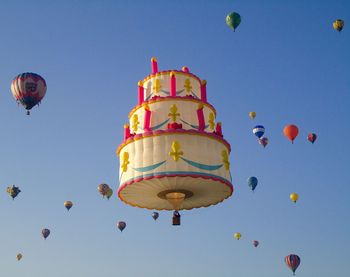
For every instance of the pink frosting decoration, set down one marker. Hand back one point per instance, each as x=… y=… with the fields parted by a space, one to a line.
x=141 y=93
x=154 y=65
x=172 y=84
x=204 y=90
x=126 y=132
x=185 y=69
x=200 y=116
x=147 y=122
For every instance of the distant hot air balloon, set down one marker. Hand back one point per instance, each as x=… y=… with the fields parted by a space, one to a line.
x=291 y=132
x=252 y=182
x=121 y=225
x=233 y=20
x=255 y=243
x=28 y=89
x=13 y=191
x=237 y=236
x=103 y=189
x=294 y=197
x=109 y=193
x=252 y=115
x=264 y=141
x=259 y=130
x=19 y=256
x=292 y=261
x=155 y=215
x=45 y=232
x=312 y=137
x=68 y=204
x=338 y=25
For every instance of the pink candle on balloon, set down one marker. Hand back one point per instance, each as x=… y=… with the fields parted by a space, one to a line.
x=204 y=90
x=218 y=129
x=126 y=131
x=147 y=121
x=154 y=65
x=141 y=93
x=172 y=84
x=200 y=115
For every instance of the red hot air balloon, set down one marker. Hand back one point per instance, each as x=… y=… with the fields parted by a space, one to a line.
x=291 y=132
x=28 y=89
x=312 y=137
x=292 y=261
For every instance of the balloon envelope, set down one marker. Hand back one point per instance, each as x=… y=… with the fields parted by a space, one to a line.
x=45 y=232
x=155 y=215
x=121 y=225
x=252 y=115
x=252 y=182
x=68 y=204
x=312 y=137
x=338 y=25
x=233 y=20
x=237 y=236
x=292 y=261
x=264 y=141
x=259 y=130
x=291 y=132
x=28 y=89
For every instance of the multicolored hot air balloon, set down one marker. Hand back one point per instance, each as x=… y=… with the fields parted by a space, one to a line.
x=121 y=225
x=252 y=182
x=259 y=130
x=338 y=25
x=291 y=132
x=68 y=205
x=292 y=261
x=109 y=193
x=45 y=233
x=237 y=236
x=19 y=256
x=294 y=197
x=255 y=243
x=103 y=189
x=252 y=115
x=13 y=191
x=155 y=215
x=312 y=137
x=264 y=141
x=28 y=89
x=233 y=20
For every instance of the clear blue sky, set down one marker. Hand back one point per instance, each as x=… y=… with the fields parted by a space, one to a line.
x=285 y=62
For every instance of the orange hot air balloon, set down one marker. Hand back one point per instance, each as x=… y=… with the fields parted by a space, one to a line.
x=291 y=132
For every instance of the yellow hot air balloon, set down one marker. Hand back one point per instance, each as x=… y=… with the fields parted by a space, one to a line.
x=237 y=236
x=19 y=256
x=338 y=25
x=68 y=204
x=294 y=197
x=252 y=115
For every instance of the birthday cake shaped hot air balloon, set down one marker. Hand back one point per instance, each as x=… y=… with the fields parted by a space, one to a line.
x=173 y=156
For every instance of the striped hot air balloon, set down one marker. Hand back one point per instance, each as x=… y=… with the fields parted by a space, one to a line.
x=259 y=130
x=292 y=261
x=28 y=89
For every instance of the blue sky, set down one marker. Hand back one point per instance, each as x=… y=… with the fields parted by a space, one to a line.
x=285 y=62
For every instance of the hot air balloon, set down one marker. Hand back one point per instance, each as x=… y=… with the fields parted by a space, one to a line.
x=338 y=25
x=294 y=197
x=19 y=256
x=28 y=89
x=13 y=191
x=252 y=182
x=155 y=215
x=233 y=20
x=252 y=115
x=103 y=189
x=255 y=243
x=237 y=236
x=68 y=204
x=291 y=132
x=173 y=155
x=109 y=193
x=312 y=137
x=292 y=261
x=45 y=233
x=121 y=225
x=259 y=130
x=264 y=141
